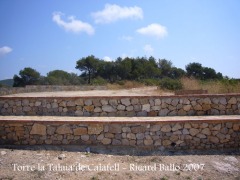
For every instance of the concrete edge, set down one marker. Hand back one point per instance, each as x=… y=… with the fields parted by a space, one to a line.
x=113 y=120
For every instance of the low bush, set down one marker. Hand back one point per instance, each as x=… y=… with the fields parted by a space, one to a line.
x=99 y=81
x=171 y=84
x=150 y=82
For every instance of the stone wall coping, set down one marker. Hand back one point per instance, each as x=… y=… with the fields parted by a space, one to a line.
x=119 y=97
x=112 y=120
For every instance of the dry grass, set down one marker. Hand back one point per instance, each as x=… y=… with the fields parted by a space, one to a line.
x=190 y=84
x=125 y=85
x=213 y=87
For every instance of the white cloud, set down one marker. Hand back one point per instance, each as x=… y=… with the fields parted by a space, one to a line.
x=106 y=58
x=113 y=12
x=5 y=50
x=126 y=38
x=148 y=49
x=155 y=30
x=73 y=24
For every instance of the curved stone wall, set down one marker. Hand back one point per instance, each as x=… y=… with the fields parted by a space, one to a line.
x=227 y=104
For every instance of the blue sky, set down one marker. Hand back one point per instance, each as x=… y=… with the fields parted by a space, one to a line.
x=51 y=34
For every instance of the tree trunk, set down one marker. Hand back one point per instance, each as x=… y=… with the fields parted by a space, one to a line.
x=89 y=77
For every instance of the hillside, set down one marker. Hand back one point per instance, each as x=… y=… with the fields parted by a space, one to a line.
x=7 y=82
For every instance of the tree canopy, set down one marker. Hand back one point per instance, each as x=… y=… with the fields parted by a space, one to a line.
x=94 y=70
x=28 y=76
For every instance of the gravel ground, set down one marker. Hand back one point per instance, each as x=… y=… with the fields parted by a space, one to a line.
x=144 y=91
x=97 y=162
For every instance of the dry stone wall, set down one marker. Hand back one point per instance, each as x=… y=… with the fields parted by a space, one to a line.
x=170 y=135
x=122 y=106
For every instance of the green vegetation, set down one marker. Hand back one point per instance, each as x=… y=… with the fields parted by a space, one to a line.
x=133 y=72
x=6 y=83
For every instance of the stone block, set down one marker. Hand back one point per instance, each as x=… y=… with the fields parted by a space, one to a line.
x=213 y=139
x=163 y=112
x=236 y=127
x=80 y=131
x=85 y=137
x=89 y=108
x=148 y=142
x=125 y=101
x=158 y=142
x=95 y=128
x=126 y=129
x=106 y=141
x=100 y=137
x=38 y=103
x=64 y=129
x=217 y=127
x=113 y=102
x=70 y=103
x=108 y=108
x=114 y=128
x=194 y=131
x=38 y=129
x=79 y=102
x=166 y=128
x=187 y=107
x=233 y=100
x=176 y=127
x=97 y=109
x=157 y=102
x=155 y=128
x=138 y=129
x=166 y=142
x=129 y=108
x=104 y=101
x=116 y=142
x=125 y=142
x=134 y=101
x=140 y=135
x=206 y=131
x=152 y=113
x=109 y=135
x=131 y=136
x=121 y=107
x=88 y=102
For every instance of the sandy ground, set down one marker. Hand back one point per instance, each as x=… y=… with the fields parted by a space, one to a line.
x=144 y=91
x=82 y=162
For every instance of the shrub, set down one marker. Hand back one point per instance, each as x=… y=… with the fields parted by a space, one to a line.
x=150 y=82
x=99 y=81
x=170 y=84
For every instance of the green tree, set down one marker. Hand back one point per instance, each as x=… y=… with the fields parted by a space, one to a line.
x=177 y=73
x=165 y=67
x=89 y=65
x=195 y=69
x=28 y=76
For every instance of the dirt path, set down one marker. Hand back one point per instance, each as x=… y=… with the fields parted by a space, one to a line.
x=73 y=162
x=144 y=91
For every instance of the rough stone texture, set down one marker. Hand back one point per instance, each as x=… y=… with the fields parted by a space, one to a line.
x=64 y=129
x=126 y=101
x=119 y=106
x=146 y=107
x=166 y=128
x=114 y=128
x=95 y=128
x=108 y=108
x=38 y=129
x=176 y=127
x=80 y=131
x=106 y=141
